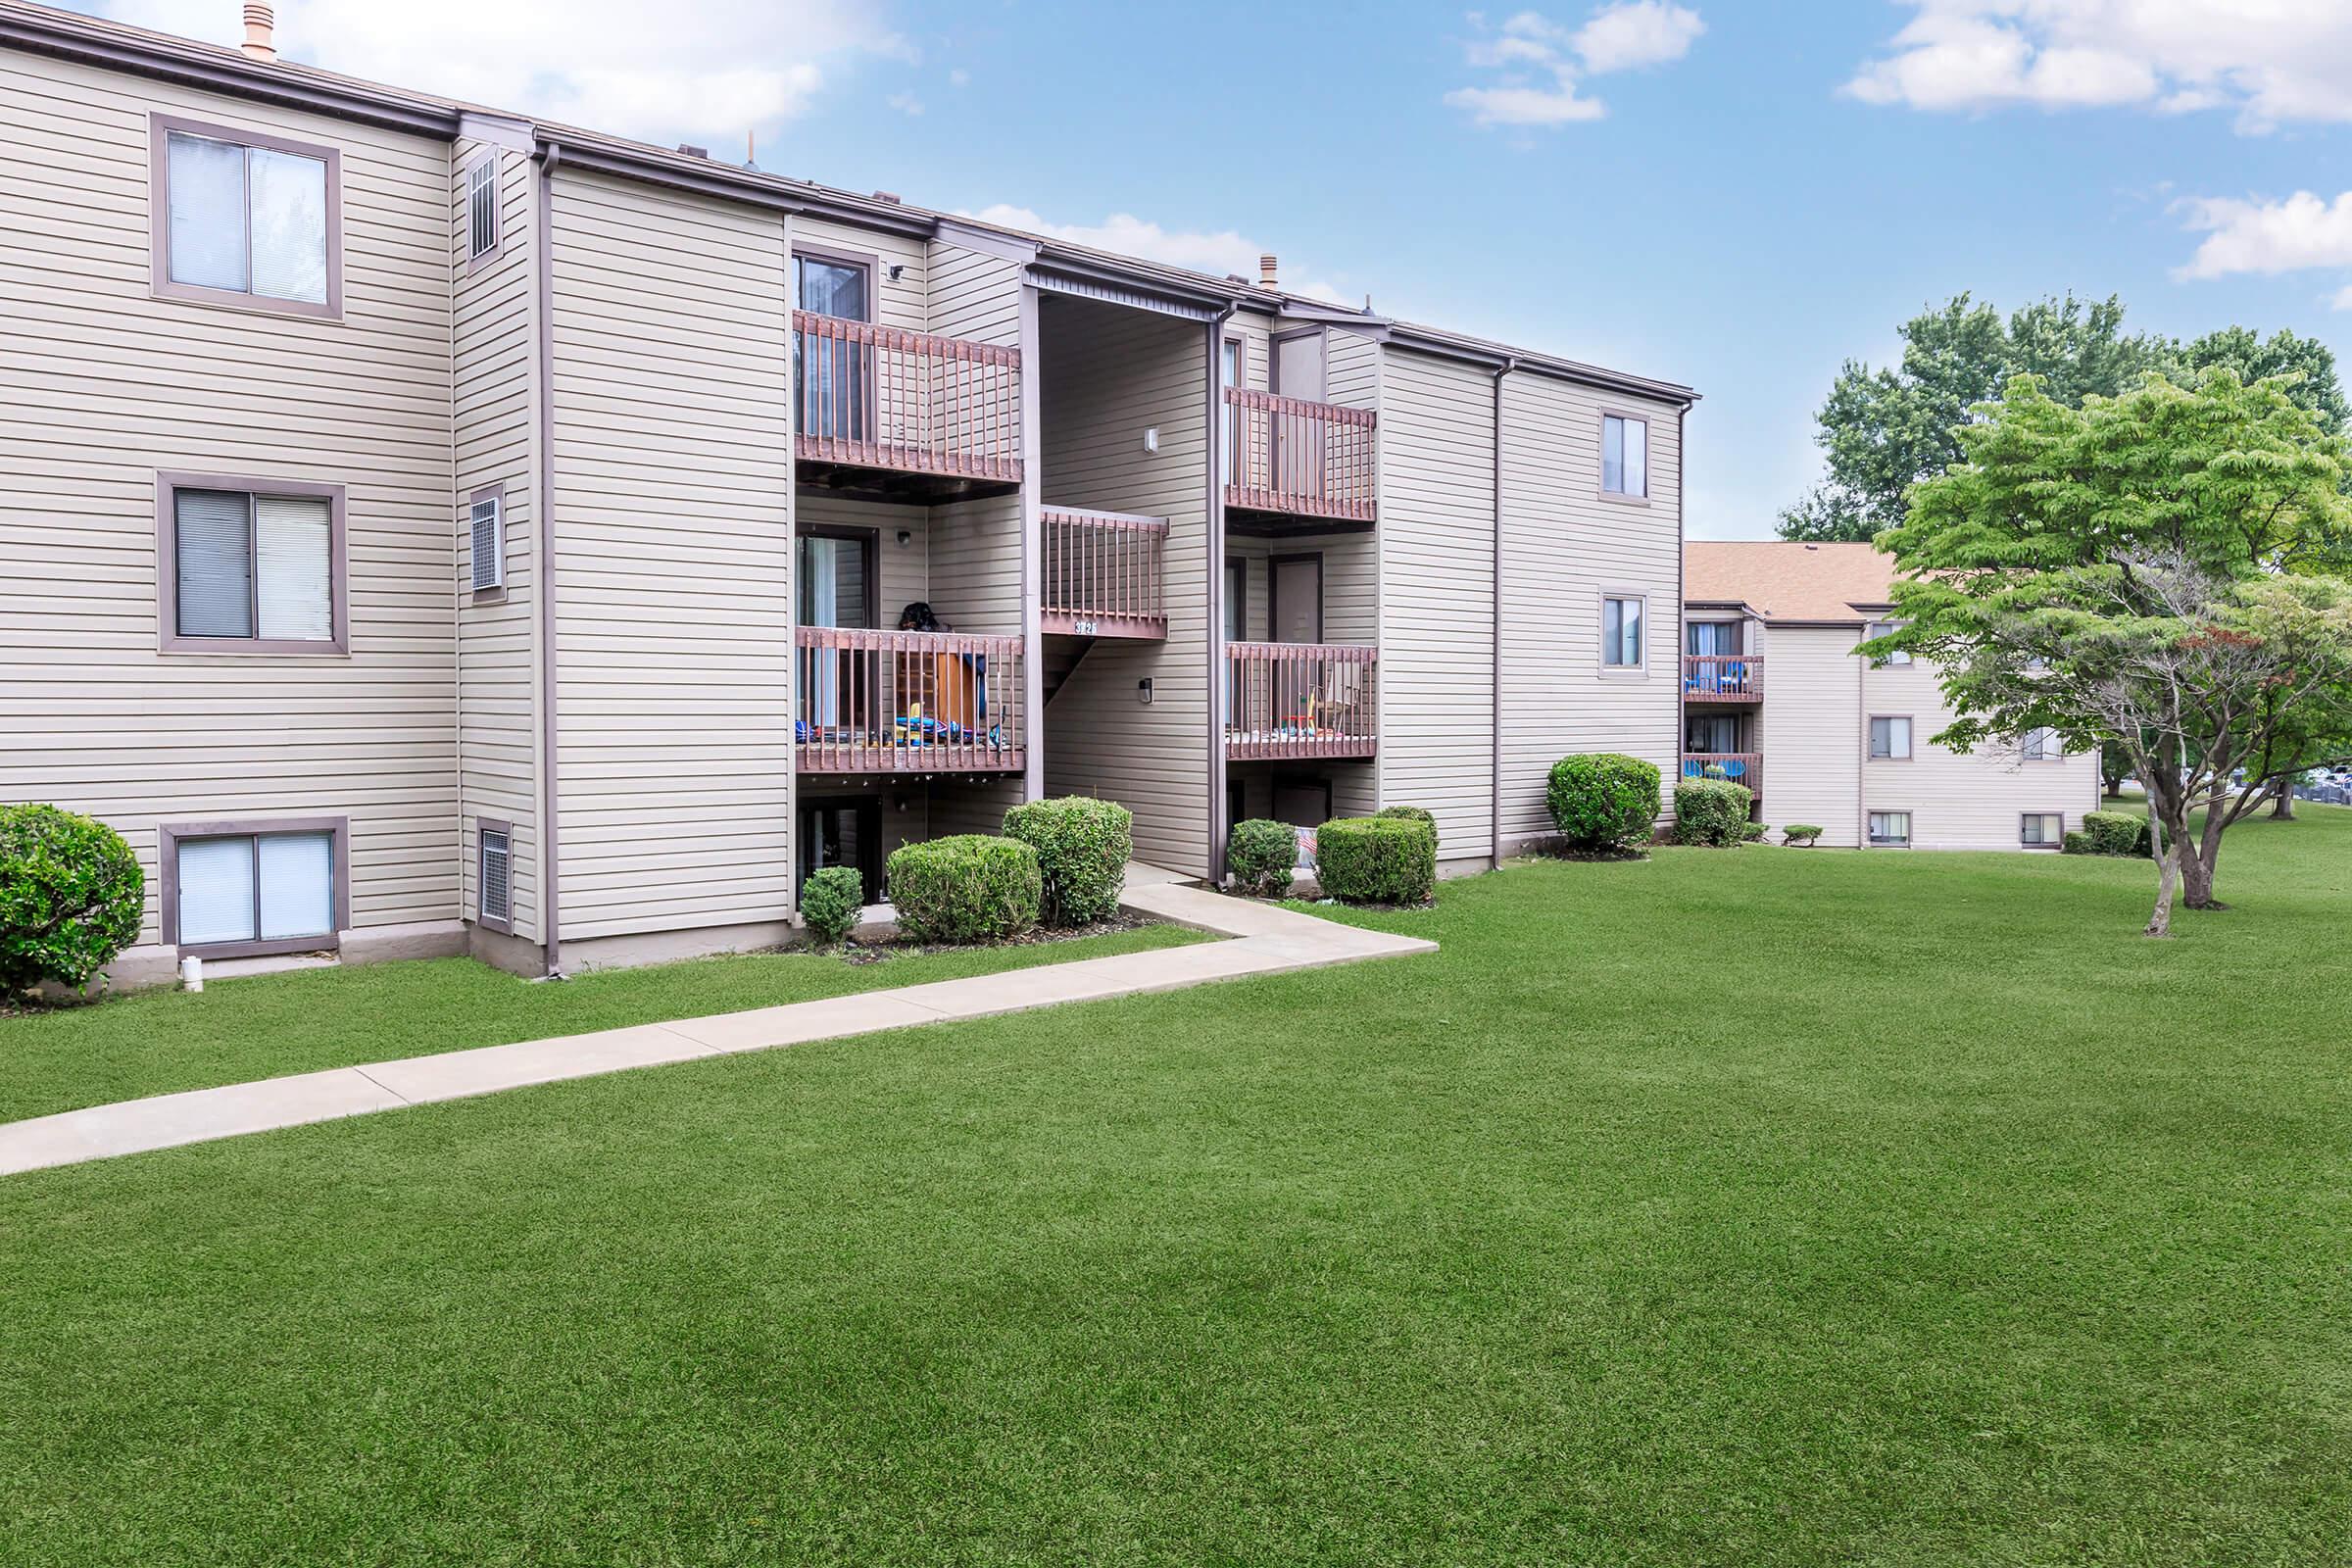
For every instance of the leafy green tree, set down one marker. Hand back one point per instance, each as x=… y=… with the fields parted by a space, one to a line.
x=2160 y=573
x=2256 y=359
x=1885 y=429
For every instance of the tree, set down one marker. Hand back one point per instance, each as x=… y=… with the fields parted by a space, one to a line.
x=2238 y=348
x=2157 y=572
x=1884 y=431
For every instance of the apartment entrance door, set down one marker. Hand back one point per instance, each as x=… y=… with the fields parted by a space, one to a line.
x=834 y=376
x=1295 y=587
x=836 y=589
x=1298 y=444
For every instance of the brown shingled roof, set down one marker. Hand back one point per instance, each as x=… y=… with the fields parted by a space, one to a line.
x=1789 y=581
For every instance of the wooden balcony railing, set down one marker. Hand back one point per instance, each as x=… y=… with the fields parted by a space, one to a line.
x=878 y=397
x=1105 y=573
x=1308 y=459
x=1723 y=677
x=1738 y=768
x=907 y=702
x=1302 y=699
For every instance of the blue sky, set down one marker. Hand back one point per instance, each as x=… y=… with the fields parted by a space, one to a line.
x=1732 y=193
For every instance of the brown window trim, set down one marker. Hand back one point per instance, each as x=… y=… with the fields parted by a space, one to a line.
x=1910 y=827
x=869 y=260
x=166 y=567
x=2054 y=844
x=1234 y=466
x=498 y=206
x=1911 y=755
x=491 y=824
x=159 y=219
x=489 y=492
x=168 y=840
x=1600 y=631
x=1601 y=450
x=870 y=540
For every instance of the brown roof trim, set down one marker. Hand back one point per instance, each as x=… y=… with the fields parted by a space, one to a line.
x=687 y=173
x=1490 y=356
x=63 y=36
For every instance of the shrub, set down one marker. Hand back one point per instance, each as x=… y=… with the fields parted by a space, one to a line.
x=1751 y=832
x=969 y=888
x=1711 y=812
x=1083 y=846
x=830 y=900
x=1261 y=855
x=1414 y=813
x=2077 y=844
x=1604 y=801
x=1376 y=859
x=2115 y=832
x=70 y=897
x=1802 y=835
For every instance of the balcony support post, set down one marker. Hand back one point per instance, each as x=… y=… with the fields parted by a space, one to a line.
x=1033 y=666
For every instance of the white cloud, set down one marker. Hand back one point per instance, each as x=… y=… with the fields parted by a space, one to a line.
x=712 y=70
x=1217 y=253
x=2272 y=61
x=905 y=103
x=959 y=77
x=2302 y=234
x=1542 y=63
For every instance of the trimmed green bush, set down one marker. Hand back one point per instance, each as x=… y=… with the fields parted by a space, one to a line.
x=967 y=888
x=1414 y=813
x=2115 y=832
x=1083 y=846
x=1376 y=859
x=1262 y=856
x=1802 y=835
x=1604 y=801
x=1711 y=812
x=830 y=900
x=71 y=898
x=1751 y=832
x=2077 y=844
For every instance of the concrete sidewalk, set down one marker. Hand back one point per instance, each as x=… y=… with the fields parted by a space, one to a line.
x=1264 y=939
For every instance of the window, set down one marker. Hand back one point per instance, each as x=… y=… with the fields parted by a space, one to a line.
x=249 y=566
x=1621 y=632
x=1885 y=628
x=246 y=218
x=834 y=366
x=2041 y=830
x=494 y=869
x=1624 y=456
x=481 y=208
x=235 y=890
x=1891 y=828
x=486 y=541
x=2042 y=746
x=1232 y=361
x=1891 y=739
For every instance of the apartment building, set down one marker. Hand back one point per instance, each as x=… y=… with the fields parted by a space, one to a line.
x=1775 y=698
x=436 y=530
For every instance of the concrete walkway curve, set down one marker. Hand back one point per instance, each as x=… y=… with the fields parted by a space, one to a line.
x=1263 y=938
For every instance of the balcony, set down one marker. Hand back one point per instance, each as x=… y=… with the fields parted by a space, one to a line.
x=1723 y=678
x=909 y=415
x=1292 y=459
x=907 y=702
x=1291 y=701
x=1105 y=573
x=1736 y=767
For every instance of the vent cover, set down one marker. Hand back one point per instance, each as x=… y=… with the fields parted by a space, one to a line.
x=489 y=544
x=497 y=862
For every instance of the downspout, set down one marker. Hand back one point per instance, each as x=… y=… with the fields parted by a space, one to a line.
x=1862 y=750
x=1494 y=722
x=551 y=912
x=1215 y=599
x=1681 y=687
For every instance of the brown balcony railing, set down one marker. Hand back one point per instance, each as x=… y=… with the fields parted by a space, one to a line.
x=1738 y=768
x=1308 y=459
x=1723 y=677
x=1105 y=573
x=878 y=397
x=1302 y=699
x=907 y=702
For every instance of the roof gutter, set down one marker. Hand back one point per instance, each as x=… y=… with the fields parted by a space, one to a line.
x=702 y=177
x=1423 y=341
x=1091 y=269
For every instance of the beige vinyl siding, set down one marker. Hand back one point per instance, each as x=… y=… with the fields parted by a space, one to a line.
x=901 y=302
x=1352 y=369
x=496 y=438
x=975 y=295
x=105 y=385
x=1437 y=647
x=1564 y=548
x=673 y=558
x=1812 y=732
x=1109 y=372
x=1958 y=801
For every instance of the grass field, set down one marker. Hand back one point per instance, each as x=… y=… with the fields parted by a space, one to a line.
x=159 y=1042
x=1748 y=1208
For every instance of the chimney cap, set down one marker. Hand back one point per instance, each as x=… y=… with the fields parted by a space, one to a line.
x=890 y=196
x=1266 y=271
x=259 y=44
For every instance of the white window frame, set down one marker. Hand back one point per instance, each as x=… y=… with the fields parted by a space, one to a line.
x=161 y=129
x=1910 y=738
x=485 y=225
x=1873 y=839
x=170 y=836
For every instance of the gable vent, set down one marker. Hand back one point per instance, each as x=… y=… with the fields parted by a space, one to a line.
x=497 y=874
x=489 y=550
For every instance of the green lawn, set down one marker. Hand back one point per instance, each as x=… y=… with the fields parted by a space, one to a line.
x=157 y=1042
x=1748 y=1208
